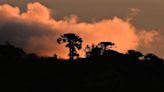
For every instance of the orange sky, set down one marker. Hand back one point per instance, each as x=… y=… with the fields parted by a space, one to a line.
x=36 y=30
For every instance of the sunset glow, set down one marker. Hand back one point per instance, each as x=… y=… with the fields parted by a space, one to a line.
x=36 y=30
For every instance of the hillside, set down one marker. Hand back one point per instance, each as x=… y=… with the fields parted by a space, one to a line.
x=111 y=72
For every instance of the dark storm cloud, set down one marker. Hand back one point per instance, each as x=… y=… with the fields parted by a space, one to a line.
x=22 y=35
x=19 y=32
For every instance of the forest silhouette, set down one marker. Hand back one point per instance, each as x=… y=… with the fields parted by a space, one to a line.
x=102 y=70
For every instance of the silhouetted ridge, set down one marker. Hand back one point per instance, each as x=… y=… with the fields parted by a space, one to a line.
x=11 y=52
x=103 y=69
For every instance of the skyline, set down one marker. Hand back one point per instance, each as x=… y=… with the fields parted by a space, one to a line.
x=136 y=29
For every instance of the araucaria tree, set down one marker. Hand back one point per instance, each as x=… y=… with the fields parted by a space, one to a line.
x=97 y=50
x=105 y=45
x=74 y=42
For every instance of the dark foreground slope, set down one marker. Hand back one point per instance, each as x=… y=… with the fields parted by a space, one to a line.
x=114 y=72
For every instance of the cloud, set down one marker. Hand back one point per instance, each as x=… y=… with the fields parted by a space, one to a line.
x=132 y=14
x=147 y=38
x=36 y=31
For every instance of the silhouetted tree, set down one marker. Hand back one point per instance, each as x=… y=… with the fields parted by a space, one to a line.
x=96 y=50
x=105 y=46
x=55 y=56
x=153 y=59
x=73 y=42
x=93 y=50
x=134 y=53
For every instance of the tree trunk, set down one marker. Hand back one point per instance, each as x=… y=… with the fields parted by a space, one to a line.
x=70 y=53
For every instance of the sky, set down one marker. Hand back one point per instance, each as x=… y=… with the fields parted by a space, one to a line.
x=35 y=24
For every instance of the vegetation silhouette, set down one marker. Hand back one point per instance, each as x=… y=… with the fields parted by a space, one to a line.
x=105 y=45
x=135 y=54
x=102 y=70
x=73 y=41
x=92 y=51
x=96 y=50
